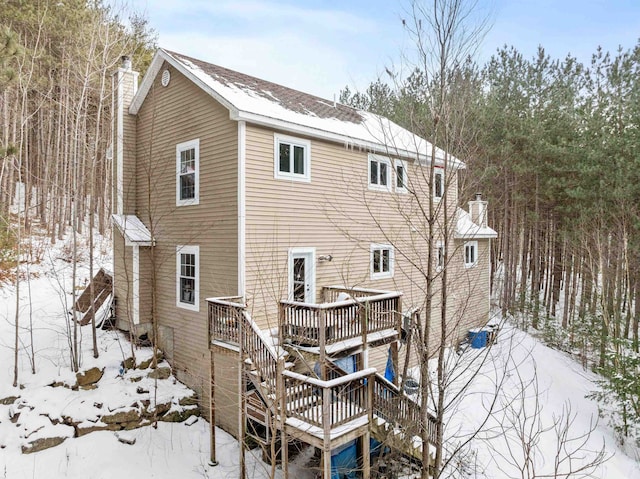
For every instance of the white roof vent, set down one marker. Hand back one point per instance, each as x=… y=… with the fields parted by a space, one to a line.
x=166 y=77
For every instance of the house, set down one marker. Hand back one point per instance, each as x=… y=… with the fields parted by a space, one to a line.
x=276 y=238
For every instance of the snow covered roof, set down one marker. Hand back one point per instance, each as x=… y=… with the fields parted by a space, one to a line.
x=467 y=229
x=133 y=230
x=262 y=102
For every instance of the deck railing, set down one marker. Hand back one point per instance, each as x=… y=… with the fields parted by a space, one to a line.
x=328 y=404
x=364 y=313
x=225 y=317
x=392 y=405
x=230 y=322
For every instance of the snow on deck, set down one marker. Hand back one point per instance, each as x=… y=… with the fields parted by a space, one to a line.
x=336 y=432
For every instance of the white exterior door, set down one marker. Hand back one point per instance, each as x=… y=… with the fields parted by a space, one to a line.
x=302 y=275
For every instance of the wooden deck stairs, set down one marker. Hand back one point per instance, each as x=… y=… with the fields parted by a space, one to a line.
x=324 y=413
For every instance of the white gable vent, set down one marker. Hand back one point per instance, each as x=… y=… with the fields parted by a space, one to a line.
x=166 y=77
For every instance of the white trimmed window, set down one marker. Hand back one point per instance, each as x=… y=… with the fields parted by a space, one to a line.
x=292 y=158
x=470 y=254
x=381 y=261
x=401 y=176
x=188 y=173
x=439 y=256
x=379 y=173
x=438 y=186
x=187 y=277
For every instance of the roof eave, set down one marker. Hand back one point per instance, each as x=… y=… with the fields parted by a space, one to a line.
x=257 y=119
x=158 y=59
x=239 y=115
x=470 y=235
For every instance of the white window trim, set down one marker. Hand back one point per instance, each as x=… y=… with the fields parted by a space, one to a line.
x=180 y=147
x=293 y=141
x=190 y=249
x=402 y=163
x=436 y=171
x=385 y=274
x=310 y=274
x=439 y=246
x=390 y=174
x=473 y=244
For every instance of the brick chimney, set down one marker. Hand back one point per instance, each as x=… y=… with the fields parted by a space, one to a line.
x=478 y=211
x=125 y=86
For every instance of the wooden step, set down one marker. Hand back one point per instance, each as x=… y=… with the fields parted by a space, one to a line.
x=102 y=289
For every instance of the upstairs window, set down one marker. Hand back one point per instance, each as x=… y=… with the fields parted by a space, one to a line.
x=187 y=276
x=438 y=186
x=379 y=173
x=188 y=173
x=401 y=176
x=381 y=261
x=470 y=254
x=292 y=158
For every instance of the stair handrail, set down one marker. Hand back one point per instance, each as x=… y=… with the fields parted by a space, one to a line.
x=265 y=357
x=406 y=411
x=275 y=351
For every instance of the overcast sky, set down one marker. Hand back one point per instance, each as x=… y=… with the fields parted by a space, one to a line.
x=320 y=46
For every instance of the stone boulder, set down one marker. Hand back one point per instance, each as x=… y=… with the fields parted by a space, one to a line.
x=9 y=400
x=180 y=416
x=160 y=373
x=41 y=444
x=89 y=377
x=131 y=415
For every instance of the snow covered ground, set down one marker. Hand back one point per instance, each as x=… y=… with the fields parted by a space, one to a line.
x=180 y=450
x=541 y=399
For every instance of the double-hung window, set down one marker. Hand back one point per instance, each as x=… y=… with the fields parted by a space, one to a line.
x=381 y=258
x=379 y=173
x=401 y=176
x=187 y=277
x=438 y=184
x=292 y=158
x=188 y=173
x=470 y=254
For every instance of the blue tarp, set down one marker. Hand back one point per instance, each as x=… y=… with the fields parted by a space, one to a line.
x=344 y=463
x=389 y=371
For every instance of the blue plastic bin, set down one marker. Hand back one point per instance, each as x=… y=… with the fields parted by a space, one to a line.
x=478 y=338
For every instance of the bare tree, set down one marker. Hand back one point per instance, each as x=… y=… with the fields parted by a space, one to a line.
x=518 y=435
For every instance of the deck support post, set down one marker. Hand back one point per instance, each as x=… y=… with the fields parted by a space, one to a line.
x=281 y=394
x=366 y=454
x=326 y=423
x=326 y=462
x=212 y=410
x=242 y=402
x=366 y=439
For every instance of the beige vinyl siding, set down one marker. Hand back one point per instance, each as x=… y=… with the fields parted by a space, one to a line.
x=227 y=399
x=336 y=214
x=145 y=286
x=122 y=286
x=472 y=286
x=178 y=113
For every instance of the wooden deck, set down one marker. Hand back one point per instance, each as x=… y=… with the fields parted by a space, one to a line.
x=336 y=408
